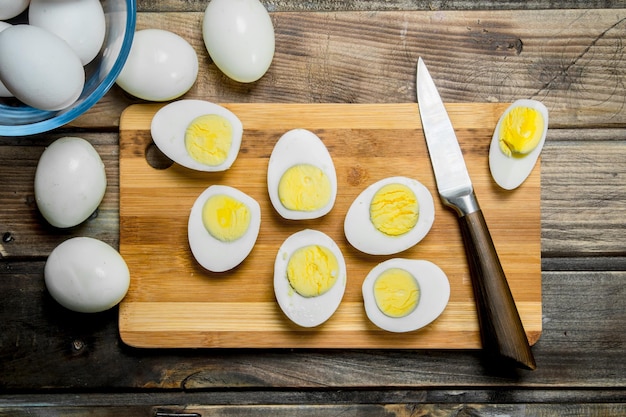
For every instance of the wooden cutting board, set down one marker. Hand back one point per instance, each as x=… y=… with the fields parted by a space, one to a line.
x=173 y=302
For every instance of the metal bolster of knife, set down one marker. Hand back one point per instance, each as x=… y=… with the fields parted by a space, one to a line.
x=463 y=203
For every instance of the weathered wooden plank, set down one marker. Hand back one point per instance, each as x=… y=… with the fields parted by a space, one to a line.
x=583 y=198
x=45 y=346
x=382 y=5
x=570 y=59
x=323 y=410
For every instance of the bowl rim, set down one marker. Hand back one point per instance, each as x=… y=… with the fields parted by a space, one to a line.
x=90 y=100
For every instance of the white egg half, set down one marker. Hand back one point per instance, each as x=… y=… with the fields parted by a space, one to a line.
x=161 y=66
x=86 y=275
x=70 y=182
x=169 y=126
x=81 y=23
x=239 y=36
x=361 y=232
x=434 y=294
x=39 y=68
x=313 y=193
x=237 y=219
x=523 y=119
x=308 y=311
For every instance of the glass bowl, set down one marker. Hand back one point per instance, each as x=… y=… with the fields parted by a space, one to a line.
x=18 y=119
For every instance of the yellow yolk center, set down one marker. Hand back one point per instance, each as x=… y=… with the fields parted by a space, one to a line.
x=520 y=131
x=396 y=292
x=312 y=270
x=225 y=218
x=304 y=187
x=208 y=139
x=394 y=209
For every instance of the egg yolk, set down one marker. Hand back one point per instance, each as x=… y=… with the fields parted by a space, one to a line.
x=312 y=270
x=394 y=209
x=396 y=292
x=225 y=218
x=304 y=187
x=208 y=139
x=521 y=131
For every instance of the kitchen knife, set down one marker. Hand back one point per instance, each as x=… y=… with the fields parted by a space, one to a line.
x=501 y=328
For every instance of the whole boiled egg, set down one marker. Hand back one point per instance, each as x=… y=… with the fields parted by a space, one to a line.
x=86 y=275
x=223 y=227
x=11 y=8
x=161 y=66
x=39 y=68
x=239 y=36
x=197 y=134
x=81 y=23
x=301 y=177
x=402 y=295
x=517 y=142
x=4 y=91
x=309 y=277
x=70 y=181
x=389 y=216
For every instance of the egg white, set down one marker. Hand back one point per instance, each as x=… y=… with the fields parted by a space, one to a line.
x=509 y=172
x=211 y=253
x=170 y=123
x=363 y=235
x=239 y=36
x=295 y=147
x=307 y=311
x=70 y=182
x=86 y=275
x=434 y=295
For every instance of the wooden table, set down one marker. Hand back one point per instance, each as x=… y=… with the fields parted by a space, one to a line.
x=53 y=362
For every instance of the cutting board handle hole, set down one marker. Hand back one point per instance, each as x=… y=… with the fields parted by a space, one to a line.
x=157 y=159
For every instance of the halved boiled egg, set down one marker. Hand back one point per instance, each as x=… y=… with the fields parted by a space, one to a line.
x=223 y=227
x=309 y=277
x=301 y=177
x=197 y=134
x=402 y=295
x=517 y=142
x=389 y=216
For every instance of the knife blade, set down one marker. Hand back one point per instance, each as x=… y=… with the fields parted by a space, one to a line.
x=501 y=328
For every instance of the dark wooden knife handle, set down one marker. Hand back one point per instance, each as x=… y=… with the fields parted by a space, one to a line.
x=502 y=331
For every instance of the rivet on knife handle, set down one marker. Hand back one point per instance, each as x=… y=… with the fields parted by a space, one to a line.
x=502 y=331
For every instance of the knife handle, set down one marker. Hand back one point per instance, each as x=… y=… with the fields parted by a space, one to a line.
x=501 y=328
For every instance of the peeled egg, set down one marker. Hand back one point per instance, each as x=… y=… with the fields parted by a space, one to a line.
x=309 y=277
x=70 y=182
x=517 y=142
x=4 y=92
x=224 y=224
x=39 y=68
x=161 y=66
x=301 y=177
x=197 y=134
x=239 y=36
x=11 y=8
x=402 y=295
x=81 y=23
x=389 y=216
x=86 y=275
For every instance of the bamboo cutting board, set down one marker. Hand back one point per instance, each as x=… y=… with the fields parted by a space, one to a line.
x=173 y=302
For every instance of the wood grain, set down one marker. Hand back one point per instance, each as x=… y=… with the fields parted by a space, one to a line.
x=569 y=59
x=172 y=302
x=54 y=362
